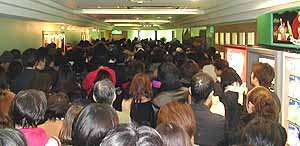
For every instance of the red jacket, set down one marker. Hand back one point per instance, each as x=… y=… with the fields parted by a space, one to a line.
x=88 y=82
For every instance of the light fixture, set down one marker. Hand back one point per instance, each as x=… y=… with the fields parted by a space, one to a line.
x=140 y=1
x=135 y=21
x=62 y=27
x=141 y=11
x=127 y=25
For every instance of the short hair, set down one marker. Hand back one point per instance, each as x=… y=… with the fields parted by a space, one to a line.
x=29 y=57
x=168 y=74
x=264 y=73
x=133 y=68
x=92 y=124
x=202 y=86
x=130 y=135
x=263 y=132
x=58 y=105
x=265 y=105
x=180 y=114
x=12 y=137
x=221 y=64
x=6 y=99
x=188 y=69
x=140 y=86
x=173 y=135
x=229 y=76
x=28 y=108
x=65 y=133
x=104 y=91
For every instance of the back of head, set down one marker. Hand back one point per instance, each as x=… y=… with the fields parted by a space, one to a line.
x=57 y=106
x=6 y=98
x=202 y=86
x=104 y=91
x=134 y=68
x=140 y=87
x=12 y=137
x=264 y=103
x=229 y=76
x=188 y=69
x=28 y=108
x=221 y=64
x=180 y=114
x=173 y=135
x=130 y=135
x=29 y=57
x=93 y=123
x=264 y=73
x=168 y=74
x=263 y=132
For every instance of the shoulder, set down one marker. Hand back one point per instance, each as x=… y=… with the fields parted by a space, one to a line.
x=53 y=141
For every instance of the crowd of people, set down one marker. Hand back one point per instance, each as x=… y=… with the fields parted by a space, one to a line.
x=134 y=93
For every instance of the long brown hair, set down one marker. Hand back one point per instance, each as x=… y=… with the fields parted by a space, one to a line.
x=140 y=86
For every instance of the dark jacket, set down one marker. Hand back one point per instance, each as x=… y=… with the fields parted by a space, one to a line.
x=209 y=126
x=180 y=94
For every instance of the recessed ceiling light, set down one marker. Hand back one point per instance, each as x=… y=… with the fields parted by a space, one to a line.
x=135 y=21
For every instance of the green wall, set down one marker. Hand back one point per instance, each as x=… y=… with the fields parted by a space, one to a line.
x=73 y=37
x=264 y=33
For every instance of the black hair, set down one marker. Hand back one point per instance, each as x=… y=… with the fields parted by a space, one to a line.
x=58 y=105
x=29 y=57
x=12 y=137
x=221 y=64
x=130 y=135
x=92 y=124
x=263 y=132
x=28 y=108
x=14 y=69
x=202 y=86
x=102 y=74
x=3 y=79
x=188 y=69
x=104 y=91
x=229 y=76
x=134 y=68
x=168 y=74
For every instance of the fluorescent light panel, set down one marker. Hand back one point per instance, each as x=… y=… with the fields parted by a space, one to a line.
x=135 y=21
x=141 y=11
x=131 y=25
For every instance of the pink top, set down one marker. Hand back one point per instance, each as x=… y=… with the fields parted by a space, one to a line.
x=35 y=136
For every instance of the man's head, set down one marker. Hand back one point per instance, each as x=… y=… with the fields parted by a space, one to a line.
x=29 y=57
x=262 y=74
x=202 y=88
x=104 y=92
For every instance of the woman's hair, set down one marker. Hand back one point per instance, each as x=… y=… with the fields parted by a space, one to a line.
x=6 y=98
x=228 y=77
x=58 y=105
x=28 y=108
x=12 y=137
x=263 y=132
x=180 y=114
x=92 y=124
x=173 y=135
x=265 y=105
x=65 y=133
x=130 y=135
x=140 y=86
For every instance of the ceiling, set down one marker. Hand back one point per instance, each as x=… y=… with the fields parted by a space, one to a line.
x=214 y=11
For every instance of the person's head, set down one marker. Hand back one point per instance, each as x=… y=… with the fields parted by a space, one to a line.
x=4 y=82
x=14 y=69
x=6 y=58
x=12 y=137
x=140 y=87
x=168 y=74
x=173 y=135
x=41 y=59
x=65 y=133
x=230 y=77
x=263 y=132
x=28 y=108
x=93 y=123
x=104 y=92
x=220 y=65
x=133 y=68
x=5 y=103
x=202 y=88
x=188 y=69
x=102 y=74
x=180 y=114
x=262 y=74
x=261 y=102
x=57 y=106
x=29 y=57
x=130 y=135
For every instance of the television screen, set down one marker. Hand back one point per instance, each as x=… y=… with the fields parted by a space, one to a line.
x=286 y=27
x=116 y=32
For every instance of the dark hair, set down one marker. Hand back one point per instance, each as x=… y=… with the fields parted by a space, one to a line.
x=104 y=91
x=134 y=68
x=264 y=73
x=180 y=114
x=188 y=69
x=29 y=57
x=14 y=69
x=92 y=124
x=3 y=79
x=202 y=86
x=263 y=132
x=6 y=98
x=168 y=74
x=140 y=86
x=130 y=135
x=228 y=77
x=28 y=108
x=58 y=105
x=102 y=74
x=265 y=105
x=221 y=64
x=65 y=133
x=12 y=137
x=173 y=135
